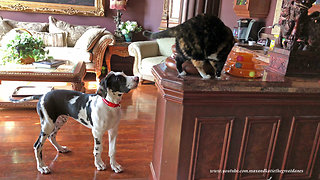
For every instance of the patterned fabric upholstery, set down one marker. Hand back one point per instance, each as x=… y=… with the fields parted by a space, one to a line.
x=4 y=28
x=32 y=26
x=51 y=39
x=89 y=38
x=74 y=32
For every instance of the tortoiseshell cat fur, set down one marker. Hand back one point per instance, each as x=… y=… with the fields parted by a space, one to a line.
x=199 y=39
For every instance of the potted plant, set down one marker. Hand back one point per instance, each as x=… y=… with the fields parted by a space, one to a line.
x=24 y=49
x=129 y=27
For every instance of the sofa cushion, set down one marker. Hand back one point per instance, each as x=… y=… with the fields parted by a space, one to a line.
x=51 y=39
x=33 y=26
x=4 y=28
x=74 y=32
x=148 y=63
x=70 y=54
x=165 y=45
x=8 y=37
x=89 y=38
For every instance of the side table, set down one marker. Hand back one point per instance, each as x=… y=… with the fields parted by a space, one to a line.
x=120 y=49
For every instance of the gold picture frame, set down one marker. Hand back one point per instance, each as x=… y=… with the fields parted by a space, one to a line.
x=96 y=7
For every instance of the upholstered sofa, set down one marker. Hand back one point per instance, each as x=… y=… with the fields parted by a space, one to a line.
x=149 y=53
x=63 y=40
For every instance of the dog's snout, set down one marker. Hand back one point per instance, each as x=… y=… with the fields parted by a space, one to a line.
x=136 y=79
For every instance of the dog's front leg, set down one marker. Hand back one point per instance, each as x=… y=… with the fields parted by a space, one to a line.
x=113 y=133
x=97 y=151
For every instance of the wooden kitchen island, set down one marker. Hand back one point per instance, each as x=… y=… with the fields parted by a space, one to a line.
x=264 y=126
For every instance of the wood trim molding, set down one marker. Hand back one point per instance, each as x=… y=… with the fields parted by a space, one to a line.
x=296 y=139
x=226 y=124
x=53 y=8
x=252 y=135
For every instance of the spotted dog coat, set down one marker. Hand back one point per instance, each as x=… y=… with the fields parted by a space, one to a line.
x=91 y=110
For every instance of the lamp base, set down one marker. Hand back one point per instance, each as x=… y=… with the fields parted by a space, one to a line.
x=117 y=32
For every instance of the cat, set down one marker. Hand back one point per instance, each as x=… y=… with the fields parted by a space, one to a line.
x=200 y=39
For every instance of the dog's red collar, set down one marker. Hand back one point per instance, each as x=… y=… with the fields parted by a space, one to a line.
x=110 y=104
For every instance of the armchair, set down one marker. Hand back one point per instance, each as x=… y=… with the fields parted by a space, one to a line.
x=149 y=53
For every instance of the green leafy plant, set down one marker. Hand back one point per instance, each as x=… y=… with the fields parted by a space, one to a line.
x=24 y=46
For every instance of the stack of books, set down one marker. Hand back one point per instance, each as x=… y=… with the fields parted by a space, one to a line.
x=49 y=63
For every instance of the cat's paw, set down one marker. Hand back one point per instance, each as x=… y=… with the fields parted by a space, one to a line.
x=206 y=76
x=183 y=73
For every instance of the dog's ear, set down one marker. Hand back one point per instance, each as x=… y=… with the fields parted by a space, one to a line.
x=108 y=79
x=103 y=86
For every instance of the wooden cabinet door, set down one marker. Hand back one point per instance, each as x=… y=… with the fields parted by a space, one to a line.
x=251 y=8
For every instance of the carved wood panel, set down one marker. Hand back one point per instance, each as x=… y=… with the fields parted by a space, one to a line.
x=302 y=147
x=210 y=148
x=257 y=146
x=278 y=62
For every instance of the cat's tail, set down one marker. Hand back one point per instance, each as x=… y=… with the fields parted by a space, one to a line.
x=161 y=34
x=30 y=98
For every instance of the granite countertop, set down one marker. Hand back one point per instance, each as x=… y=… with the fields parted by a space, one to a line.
x=269 y=83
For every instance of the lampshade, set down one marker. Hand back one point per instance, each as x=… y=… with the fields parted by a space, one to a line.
x=118 y=4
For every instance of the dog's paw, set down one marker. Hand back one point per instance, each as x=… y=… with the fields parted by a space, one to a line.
x=117 y=168
x=64 y=149
x=100 y=165
x=44 y=170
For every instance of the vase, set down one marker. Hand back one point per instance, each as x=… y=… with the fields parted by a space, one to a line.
x=128 y=37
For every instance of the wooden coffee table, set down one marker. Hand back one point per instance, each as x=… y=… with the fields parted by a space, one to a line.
x=69 y=72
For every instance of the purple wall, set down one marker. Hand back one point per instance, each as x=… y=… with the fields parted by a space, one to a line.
x=146 y=12
x=228 y=16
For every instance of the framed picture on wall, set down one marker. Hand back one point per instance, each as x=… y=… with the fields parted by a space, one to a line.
x=69 y=7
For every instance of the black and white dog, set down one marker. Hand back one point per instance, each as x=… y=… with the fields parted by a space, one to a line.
x=99 y=112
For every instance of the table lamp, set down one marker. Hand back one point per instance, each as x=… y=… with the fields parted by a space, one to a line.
x=118 y=5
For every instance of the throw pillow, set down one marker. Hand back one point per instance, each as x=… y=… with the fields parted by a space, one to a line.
x=49 y=39
x=4 y=28
x=32 y=26
x=52 y=39
x=89 y=38
x=8 y=37
x=74 y=31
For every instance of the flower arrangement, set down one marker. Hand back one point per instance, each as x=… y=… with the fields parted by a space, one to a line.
x=129 y=27
x=24 y=47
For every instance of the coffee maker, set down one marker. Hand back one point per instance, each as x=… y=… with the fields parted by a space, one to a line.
x=248 y=30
